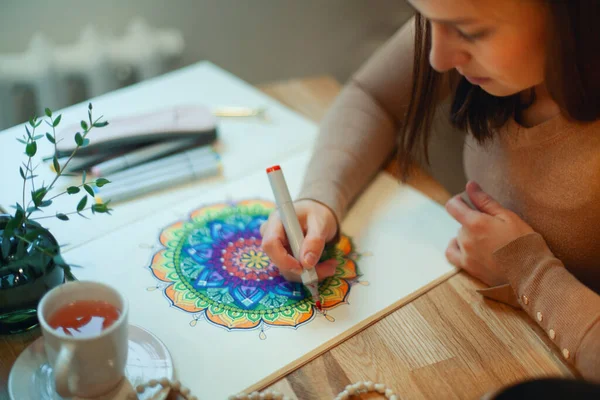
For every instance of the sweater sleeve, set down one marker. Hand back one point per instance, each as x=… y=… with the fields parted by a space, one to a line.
x=567 y=310
x=358 y=134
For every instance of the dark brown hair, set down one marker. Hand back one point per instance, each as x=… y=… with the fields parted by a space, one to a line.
x=572 y=77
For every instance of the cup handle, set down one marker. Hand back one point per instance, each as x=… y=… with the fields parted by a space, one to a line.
x=63 y=365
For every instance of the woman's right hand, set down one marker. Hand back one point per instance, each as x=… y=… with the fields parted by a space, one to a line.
x=319 y=226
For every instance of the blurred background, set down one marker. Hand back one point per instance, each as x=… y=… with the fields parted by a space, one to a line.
x=61 y=52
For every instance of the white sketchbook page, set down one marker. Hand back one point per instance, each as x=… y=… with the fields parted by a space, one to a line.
x=406 y=233
x=244 y=144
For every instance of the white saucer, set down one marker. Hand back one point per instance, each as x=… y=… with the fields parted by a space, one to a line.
x=31 y=377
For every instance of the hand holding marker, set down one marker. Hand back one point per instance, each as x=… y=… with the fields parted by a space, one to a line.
x=292 y=228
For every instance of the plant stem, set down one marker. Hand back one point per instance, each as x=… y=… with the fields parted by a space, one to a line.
x=85 y=133
x=59 y=173
x=61 y=193
x=54 y=216
x=30 y=166
x=25 y=179
x=54 y=136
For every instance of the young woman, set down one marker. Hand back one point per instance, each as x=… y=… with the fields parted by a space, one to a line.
x=523 y=79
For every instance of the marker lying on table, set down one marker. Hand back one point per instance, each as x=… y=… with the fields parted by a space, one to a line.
x=292 y=228
x=139 y=156
x=182 y=171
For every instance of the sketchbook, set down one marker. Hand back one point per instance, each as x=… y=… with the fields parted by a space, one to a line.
x=196 y=276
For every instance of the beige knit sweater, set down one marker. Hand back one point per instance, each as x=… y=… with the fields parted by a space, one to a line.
x=548 y=174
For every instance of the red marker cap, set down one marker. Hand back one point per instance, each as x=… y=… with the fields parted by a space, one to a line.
x=273 y=168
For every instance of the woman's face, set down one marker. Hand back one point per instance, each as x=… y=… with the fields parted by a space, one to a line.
x=496 y=44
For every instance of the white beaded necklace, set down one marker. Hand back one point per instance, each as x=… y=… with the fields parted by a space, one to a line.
x=268 y=394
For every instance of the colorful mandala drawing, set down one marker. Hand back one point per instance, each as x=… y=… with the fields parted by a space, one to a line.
x=213 y=267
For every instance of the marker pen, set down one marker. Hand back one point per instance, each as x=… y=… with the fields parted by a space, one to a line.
x=292 y=228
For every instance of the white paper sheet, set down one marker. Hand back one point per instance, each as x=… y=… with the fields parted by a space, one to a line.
x=244 y=144
x=404 y=232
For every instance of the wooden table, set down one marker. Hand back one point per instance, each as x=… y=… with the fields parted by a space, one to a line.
x=447 y=343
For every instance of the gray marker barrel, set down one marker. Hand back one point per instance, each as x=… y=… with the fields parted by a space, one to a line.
x=190 y=171
x=288 y=216
x=163 y=163
x=140 y=156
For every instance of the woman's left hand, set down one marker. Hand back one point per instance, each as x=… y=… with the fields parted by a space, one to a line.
x=483 y=231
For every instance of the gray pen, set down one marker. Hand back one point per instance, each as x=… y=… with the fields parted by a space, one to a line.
x=78 y=164
x=292 y=228
x=127 y=176
x=140 y=156
x=188 y=172
x=156 y=165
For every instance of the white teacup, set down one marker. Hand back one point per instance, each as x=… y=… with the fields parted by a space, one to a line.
x=86 y=366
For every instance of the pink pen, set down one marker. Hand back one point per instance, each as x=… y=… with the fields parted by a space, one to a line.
x=292 y=227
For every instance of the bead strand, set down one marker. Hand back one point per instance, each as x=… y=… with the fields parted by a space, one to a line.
x=268 y=394
x=173 y=386
x=350 y=390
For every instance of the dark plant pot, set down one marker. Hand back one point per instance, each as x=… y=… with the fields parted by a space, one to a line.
x=19 y=301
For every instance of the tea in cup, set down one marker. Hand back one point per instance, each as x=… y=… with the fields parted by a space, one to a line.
x=84 y=325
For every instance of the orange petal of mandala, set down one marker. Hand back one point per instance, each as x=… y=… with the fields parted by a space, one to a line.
x=344 y=245
x=338 y=295
x=224 y=320
x=198 y=214
x=264 y=203
x=180 y=301
x=169 y=233
x=300 y=319
x=159 y=267
x=348 y=270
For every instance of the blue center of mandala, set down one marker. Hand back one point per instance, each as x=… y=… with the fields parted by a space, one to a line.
x=223 y=260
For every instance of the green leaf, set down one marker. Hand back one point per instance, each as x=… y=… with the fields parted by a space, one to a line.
x=21 y=141
x=89 y=190
x=20 y=249
x=32 y=121
x=31 y=235
x=101 y=208
x=38 y=123
x=85 y=142
x=48 y=112
x=78 y=139
x=50 y=138
x=100 y=124
x=101 y=182
x=83 y=177
x=5 y=248
x=31 y=149
x=45 y=203
x=89 y=106
x=22 y=173
x=84 y=125
x=19 y=208
x=28 y=131
x=82 y=203
x=6 y=237
x=38 y=195
x=57 y=121
x=55 y=164
x=62 y=217
x=72 y=189
x=38 y=137
x=67 y=269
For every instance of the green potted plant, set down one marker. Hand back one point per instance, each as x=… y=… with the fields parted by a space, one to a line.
x=30 y=257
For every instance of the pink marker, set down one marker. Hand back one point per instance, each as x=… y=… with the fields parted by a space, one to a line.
x=292 y=227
